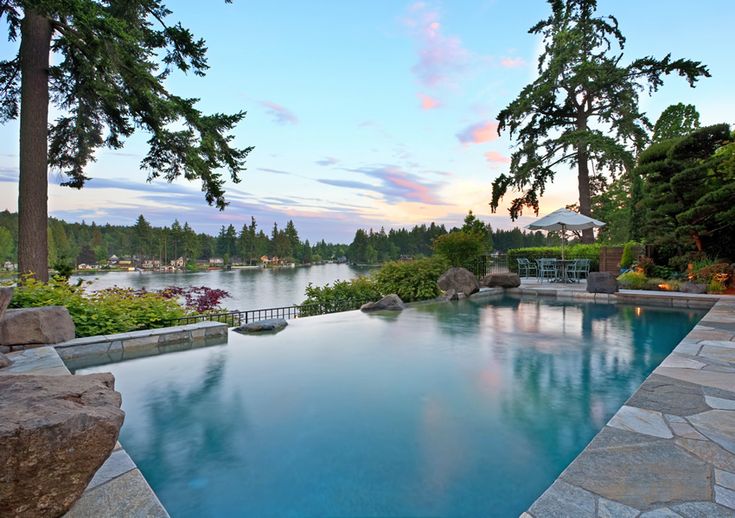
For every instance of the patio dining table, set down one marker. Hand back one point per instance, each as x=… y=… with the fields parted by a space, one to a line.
x=562 y=275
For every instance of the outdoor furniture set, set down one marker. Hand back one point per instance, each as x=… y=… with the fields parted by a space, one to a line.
x=554 y=270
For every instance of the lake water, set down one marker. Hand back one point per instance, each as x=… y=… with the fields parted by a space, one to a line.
x=457 y=409
x=249 y=289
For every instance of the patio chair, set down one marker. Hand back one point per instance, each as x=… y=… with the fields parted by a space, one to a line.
x=526 y=267
x=581 y=269
x=546 y=269
x=573 y=270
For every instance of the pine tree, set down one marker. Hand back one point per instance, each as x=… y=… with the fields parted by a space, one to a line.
x=106 y=81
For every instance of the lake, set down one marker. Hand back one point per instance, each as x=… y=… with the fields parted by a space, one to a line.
x=249 y=289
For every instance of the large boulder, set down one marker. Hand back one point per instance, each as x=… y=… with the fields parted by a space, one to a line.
x=501 y=280
x=4 y=361
x=601 y=282
x=390 y=302
x=5 y=295
x=262 y=326
x=692 y=287
x=460 y=280
x=36 y=326
x=55 y=432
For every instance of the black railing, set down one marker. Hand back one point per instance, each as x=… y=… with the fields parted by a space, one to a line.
x=487 y=264
x=238 y=318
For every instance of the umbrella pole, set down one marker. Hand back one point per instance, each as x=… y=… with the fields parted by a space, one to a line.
x=563 y=235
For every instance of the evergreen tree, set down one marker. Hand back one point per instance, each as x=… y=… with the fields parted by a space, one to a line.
x=106 y=81
x=582 y=110
x=676 y=121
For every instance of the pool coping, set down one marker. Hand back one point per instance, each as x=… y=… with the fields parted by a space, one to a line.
x=118 y=488
x=670 y=449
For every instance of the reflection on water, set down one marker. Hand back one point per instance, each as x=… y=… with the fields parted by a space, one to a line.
x=249 y=289
x=455 y=409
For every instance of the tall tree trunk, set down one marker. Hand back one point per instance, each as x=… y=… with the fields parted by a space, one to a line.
x=583 y=181
x=33 y=182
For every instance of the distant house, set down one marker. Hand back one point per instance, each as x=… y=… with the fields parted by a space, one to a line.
x=151 y=264
x=113 y=260
x=125 y=263
x=8 y=266
x=216 y=261
x=84 y=266
x=178 y=263
x=341 y=260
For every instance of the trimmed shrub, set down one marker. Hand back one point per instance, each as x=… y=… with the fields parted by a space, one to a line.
x=633 y=280
x=591 y=252
x=459 y=248
x=411 y=280
x=631 y=251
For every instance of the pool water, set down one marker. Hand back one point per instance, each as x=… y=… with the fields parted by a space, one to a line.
x=445 y=409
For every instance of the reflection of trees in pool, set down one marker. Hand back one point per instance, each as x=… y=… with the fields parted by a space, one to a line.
x=193 y=432
x=555 y=392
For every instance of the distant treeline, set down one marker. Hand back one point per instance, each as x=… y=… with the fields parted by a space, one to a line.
x=92 y=243
x=370 y=247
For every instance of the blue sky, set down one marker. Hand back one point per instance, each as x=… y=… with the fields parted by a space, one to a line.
x=373 y=114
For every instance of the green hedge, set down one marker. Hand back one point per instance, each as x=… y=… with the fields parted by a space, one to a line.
x=591 y=252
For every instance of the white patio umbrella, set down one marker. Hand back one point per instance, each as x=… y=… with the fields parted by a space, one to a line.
x=565 y=219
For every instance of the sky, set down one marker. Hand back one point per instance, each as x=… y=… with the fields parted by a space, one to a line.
x=373 y=113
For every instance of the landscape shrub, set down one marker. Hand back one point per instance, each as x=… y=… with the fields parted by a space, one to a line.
x=459 y=248
x=114 y=310
x=339 y=295
x=706 y=272
x=715 y=286
x=631 y=250
x=591 y=252
x=411 y=280
x=633 y=280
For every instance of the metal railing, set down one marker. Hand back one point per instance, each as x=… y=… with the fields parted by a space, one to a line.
x=487 y=264
x=238 y=318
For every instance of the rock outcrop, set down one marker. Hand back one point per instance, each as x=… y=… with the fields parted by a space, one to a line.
x=5 y=295
x=501 y=280
x=692 y=287
x=261 y=326
x=460 y=280
x=55 y=432
x=390 y=302
x=36 y=326
x=4 y=361
x=601 y=282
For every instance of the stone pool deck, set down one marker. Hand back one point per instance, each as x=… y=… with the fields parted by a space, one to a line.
x=670 y=450
x=118 y=488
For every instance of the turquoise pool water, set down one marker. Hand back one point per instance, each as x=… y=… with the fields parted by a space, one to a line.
x=446 y=409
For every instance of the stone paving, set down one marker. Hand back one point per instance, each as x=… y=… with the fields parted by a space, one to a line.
x=118 y=488
x=670 y=450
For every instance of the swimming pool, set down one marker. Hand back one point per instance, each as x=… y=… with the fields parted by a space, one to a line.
x=445 y=409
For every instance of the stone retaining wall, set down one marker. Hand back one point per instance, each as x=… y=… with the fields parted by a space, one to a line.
x=98 y=350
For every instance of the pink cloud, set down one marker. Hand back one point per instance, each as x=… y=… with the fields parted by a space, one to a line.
x=496 y=158
x=512 y=62
x=428 y=102
x=479 y=133
x=440 y=56
x=280 y=114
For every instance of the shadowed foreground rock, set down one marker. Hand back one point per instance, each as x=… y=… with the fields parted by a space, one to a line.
x=501 y=280
x=55 y=432
x=390 y=302
x=36 y=326
x=460 y=280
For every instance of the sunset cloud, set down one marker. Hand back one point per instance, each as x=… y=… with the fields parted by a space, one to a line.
x=478 y=133
x=428 y=102
x=516 y=62
x=440 y=56
x=327 y=161
x=495 y=157
x=280 y=114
